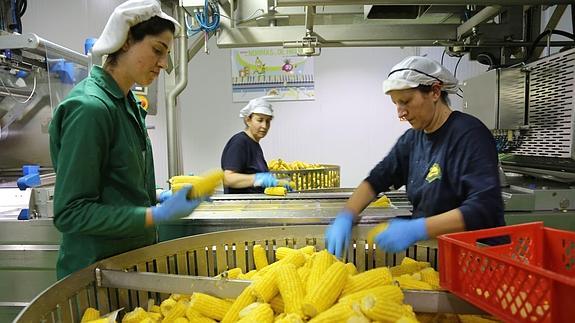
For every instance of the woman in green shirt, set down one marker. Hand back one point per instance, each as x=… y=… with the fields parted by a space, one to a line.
x=104 y=199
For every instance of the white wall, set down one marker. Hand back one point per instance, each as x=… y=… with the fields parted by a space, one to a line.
x=351 y=123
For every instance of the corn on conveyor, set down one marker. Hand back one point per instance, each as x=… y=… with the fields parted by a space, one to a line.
x=134 y=278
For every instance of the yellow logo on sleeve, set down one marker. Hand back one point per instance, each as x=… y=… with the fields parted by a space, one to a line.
x=434 y=173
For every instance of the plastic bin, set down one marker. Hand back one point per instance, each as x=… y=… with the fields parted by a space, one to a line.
x=530 y=279
x=327 y=176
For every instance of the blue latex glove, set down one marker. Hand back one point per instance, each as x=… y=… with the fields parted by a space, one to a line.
x=401 y=234
x=338 y=234
x=164 y=195
x=175 y=207
x=265 y=180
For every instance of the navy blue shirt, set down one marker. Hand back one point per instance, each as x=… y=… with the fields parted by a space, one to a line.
x=243 y=155
x=454 y=167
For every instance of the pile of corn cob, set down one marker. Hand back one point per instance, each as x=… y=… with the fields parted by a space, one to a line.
x=303 y=285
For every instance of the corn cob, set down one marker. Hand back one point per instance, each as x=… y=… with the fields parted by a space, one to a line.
x=275 y=191
x=155 y=309
x=326 y=291
x=408 y=266
x=288 y=318
x=244 y=299
x=381 y=202
x=180 y=320
x=192 y=314
x=209 y=306
x=368 y=279
x=379 y=309
x=248 y=276
x=322 y=261
x=257 y=313
x=265 y=287
x=146 y=320
x=178 y=310
x=155 y=317
x=430 y=276
x=260 y=258
x=277 y=304
x=297 y=258
x=166 y=306
x=391 y=293
x=204 y=185
x=178 y=297
x=375 y=231
x=338 y=313
x=135 y=316
x=103 y=320
x=281 y=252
x=351 y=269
x=303 y=273
x=90 y=314
x=291 y=288
x=406 y=282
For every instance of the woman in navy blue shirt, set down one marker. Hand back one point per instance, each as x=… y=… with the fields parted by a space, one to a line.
x=243 y=162
x=447 y=161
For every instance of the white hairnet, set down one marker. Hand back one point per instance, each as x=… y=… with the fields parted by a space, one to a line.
x=258 y=105
x=126 y=15
x=417 y=70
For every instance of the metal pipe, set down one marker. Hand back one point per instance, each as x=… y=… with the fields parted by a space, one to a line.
x=309 y=16
x=301 y=3
x=42 y=46
x=430 y=43
x=485 y=14
x=175 y=163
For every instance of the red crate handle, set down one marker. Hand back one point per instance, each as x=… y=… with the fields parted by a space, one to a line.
x=493 y=232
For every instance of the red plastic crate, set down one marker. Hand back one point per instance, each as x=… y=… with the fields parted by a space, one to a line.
x=530 y=279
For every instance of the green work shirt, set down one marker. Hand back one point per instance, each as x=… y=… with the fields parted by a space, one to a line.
x=104 y=173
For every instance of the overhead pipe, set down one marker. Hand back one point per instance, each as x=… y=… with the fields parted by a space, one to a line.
x=302 y=3
x=175 y=159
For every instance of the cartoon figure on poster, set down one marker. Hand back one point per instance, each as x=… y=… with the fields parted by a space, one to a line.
x=271 y=71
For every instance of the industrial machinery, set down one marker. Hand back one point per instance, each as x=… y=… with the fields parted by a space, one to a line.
x=151 y=273
x=35 y=75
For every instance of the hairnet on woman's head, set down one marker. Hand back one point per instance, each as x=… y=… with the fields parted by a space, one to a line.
x=257 y=105
x=126 y=15
x=414 y=71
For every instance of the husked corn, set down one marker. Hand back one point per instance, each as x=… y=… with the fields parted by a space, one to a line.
x=322 y=261
x=375 y=231
x=248 y=276
x=180 y=320
x=368 y=279
x=379 y=309
x=244 y=299
x=178 y=310
x=430 y=276
x=166 y=306
x=275 y=191
x=260 y=258
x=265 y=287
x=391 y=293
x=204 y=185
x=340 y=312
x=154 y=309
x=351 y=269
x=90 y=314
x=303 y=273
x=277 y=304
x=209 y=306
x=135 y=316
x=290 y=288
x=297 y=258
x=257 y=313
x=326 y=292
x=408 y=266
x=288 y=318
x=407 y=282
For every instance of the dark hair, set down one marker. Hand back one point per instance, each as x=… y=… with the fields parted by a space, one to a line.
x=153 y=26
x=427 y=89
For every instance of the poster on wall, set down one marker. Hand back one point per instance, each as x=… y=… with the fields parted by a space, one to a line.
x=271 y=71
